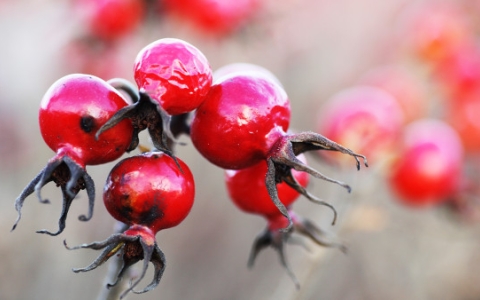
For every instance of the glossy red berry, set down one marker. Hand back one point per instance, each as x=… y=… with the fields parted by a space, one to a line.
x=428 y=168
x=244 y=120
x=148 y=193
x=247 y=189
x=82 y=104
x=150 y=190
x=173 y=78
x=173 y=73
x=243 y=116
x=71 y=112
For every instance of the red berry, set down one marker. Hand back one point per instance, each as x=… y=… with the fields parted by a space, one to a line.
x=82 y=104
x=173 y=73
x=428 y=167
x=240 y=120
x=148 y=193
x=173 y=78
x=150 y=190
x=71 y=112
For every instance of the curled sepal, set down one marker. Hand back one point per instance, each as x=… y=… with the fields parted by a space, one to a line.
x=277 y=239
x=71 y=178
x=283 y=158
x=132 y=248
x=308 y=141
x=144 y=114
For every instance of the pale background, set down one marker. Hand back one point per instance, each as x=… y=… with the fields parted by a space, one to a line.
x=315 y=47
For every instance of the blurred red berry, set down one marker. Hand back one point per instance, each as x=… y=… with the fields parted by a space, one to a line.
x=110 y=19
x=430 y=30
x=429 y=164
x=364 y=118
x=218 y=17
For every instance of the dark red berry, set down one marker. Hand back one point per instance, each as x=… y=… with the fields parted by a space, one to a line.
x=148 y=193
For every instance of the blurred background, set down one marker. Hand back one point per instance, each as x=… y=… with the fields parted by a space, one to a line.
x=408 y=236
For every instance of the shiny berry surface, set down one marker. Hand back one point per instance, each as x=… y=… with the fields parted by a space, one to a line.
x=174 y=73
x=240 y=120
x=150 y=190
x=71 y=112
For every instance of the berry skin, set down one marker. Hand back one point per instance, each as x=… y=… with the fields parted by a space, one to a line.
x=240 y=121
x=247 y=190
x=173 y=73
x=428 y=168
x=81 y=104
x=148 y=193
x=173 y=78
x=71 y=112
x=159 y=196
x=244 y=120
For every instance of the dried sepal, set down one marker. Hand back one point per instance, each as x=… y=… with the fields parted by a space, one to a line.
x=71 y=178
x=278 y=238
x=132 y=249
x=283 y=158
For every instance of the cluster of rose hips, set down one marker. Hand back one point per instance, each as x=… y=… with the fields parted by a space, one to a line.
x=417 y=115
x=237 y=118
